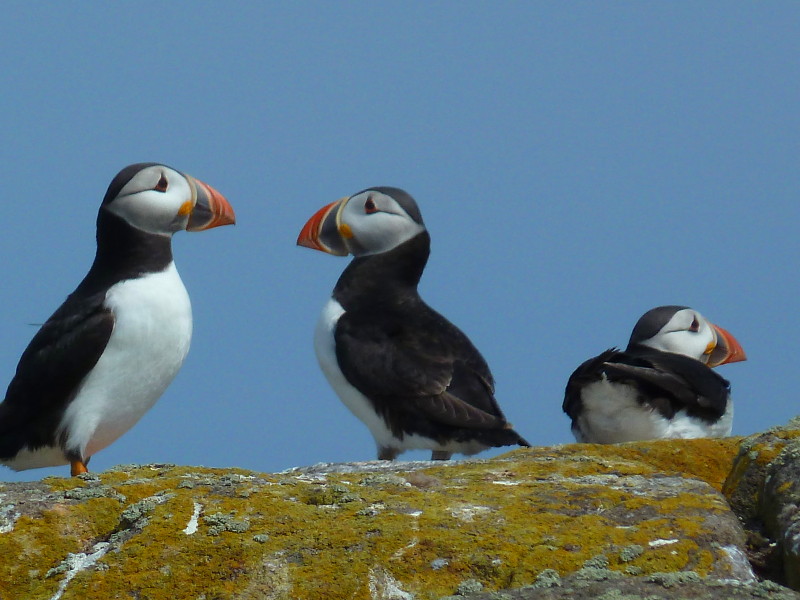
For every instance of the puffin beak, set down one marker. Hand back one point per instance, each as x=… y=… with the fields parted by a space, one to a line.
x=322 y=233
x=210 y=209
x=726 y=349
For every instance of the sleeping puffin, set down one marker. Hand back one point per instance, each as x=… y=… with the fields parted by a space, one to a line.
x=662 y=386
x=115 y=344
x=412 y=377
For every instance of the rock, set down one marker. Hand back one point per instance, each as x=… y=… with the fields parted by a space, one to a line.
x=772 y=541
x=744 y=483
x=635 y=517
x=780 y=508
x=685 y=585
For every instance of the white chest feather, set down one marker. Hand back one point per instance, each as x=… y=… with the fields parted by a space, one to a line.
x=325 y=349
x=612 y=414
x=151 y=336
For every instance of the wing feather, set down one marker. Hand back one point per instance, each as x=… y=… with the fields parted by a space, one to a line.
x=422 y=370
x=49 y=375
x=683 y=382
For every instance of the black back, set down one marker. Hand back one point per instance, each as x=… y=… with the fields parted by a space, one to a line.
x=421 y=373
x=665 y=381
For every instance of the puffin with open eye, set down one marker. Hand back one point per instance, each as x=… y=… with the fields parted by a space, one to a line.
x=412 y=377
x=662 y=386
x=115 y=344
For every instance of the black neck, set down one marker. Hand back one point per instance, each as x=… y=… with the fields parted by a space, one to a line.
x=387 y=277
x=124 y=252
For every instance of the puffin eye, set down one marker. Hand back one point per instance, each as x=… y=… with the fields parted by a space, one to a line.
x=162 y=184
x=695 y=326
x=369 y=206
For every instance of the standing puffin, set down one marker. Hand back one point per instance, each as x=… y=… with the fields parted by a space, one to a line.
x=662 y=386
x=115 y=344
x=412 y=377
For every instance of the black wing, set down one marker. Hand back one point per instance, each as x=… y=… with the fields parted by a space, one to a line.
x=428 y=368
x=671 y=382
x=589 y=372
x=49 y=372
x=688 y=382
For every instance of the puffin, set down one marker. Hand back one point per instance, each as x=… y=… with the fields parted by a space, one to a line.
x=111 y=349
x=661 y=387
x=410 y=375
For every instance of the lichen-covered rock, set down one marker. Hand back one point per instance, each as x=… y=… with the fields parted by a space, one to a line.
x=745 y=481
x=780 y=508
x=745 y=488
x=374 y=530
x=658 y=586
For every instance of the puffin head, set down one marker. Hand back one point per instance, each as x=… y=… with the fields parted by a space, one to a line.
x=372 y=221
x=158 y=199
x=683 y=330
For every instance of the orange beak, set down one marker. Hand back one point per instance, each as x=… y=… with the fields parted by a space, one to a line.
x=211 y=209
x=727 y=350
x=321 y=232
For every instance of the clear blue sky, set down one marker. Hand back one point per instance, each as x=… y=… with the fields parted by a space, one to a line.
x=576 y=164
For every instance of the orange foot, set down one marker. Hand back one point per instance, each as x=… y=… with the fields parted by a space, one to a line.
x=77 y=467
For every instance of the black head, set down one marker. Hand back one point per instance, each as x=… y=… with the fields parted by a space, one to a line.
x=157 y=199
x=373 y=221
x=652 y=322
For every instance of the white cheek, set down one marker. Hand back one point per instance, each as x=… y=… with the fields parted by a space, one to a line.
x=150 y=211
x=383 y=231
x=688 y=343
x=692 y=345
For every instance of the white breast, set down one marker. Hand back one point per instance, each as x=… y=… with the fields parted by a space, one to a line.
x=325 y=349
x=151 y=336
x=612 y=414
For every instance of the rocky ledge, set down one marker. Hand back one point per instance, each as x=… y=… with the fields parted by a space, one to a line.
x=677 y=519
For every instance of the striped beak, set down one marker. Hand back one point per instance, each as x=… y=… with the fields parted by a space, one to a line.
x=726 y=350
x=210 y=209
x=321 y=231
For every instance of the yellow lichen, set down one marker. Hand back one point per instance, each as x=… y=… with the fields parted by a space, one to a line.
x=501 y=522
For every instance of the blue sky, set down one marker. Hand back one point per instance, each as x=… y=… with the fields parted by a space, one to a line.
x=576 y=164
